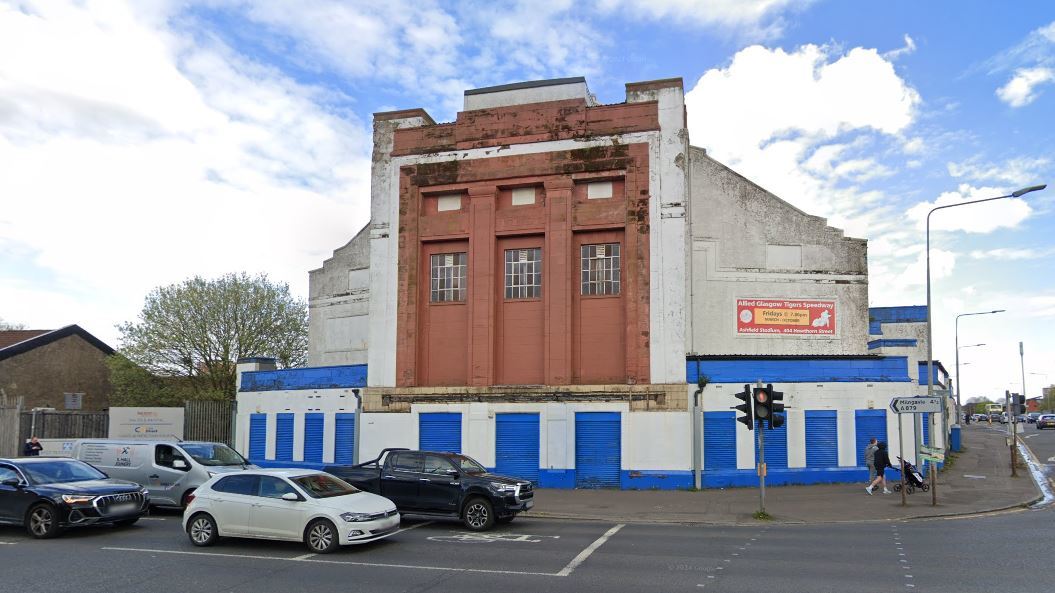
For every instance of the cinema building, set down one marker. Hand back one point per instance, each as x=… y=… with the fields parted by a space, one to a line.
x=546 y=283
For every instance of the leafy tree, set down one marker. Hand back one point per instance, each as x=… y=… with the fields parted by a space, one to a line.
x=190 y=335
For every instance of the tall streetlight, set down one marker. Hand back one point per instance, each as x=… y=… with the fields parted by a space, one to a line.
x=930 y=332
x=930 y=335
x=958 y=344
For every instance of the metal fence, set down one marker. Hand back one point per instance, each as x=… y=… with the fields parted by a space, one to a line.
x=9 y=416
x=47 y=424
x=209 y=420
x=202 y=421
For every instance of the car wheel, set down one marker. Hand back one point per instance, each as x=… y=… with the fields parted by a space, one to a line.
x=42 y=521
x=201 y=530
x=321 y=536
x=478 y=515
x=126 y=522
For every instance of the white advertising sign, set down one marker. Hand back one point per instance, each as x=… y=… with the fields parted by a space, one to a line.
x=146 y=423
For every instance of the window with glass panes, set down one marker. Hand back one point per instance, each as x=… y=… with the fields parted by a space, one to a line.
x=600 y=269
x=523 y=273
x=448 y=277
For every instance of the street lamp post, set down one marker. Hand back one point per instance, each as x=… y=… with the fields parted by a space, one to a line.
x=930 y=333
x=958 y=389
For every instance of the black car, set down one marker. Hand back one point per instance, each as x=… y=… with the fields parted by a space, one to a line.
x=48 y=494
x=441 y=485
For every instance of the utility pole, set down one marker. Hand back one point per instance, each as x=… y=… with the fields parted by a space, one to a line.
x=1010 y=432
x=761 y=461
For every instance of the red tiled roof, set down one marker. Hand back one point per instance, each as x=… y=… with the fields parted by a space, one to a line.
x=14 y=336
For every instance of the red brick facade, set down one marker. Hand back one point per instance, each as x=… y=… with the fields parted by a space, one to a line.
x=562 y=337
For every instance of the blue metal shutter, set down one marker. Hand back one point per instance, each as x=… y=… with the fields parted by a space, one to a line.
x=440 y=431
x=598 y=446
x=314 y=426
x=925 y=419
x=257 y=436
x=344 y=438
x=822 y=438
x=284 y=437
x=776 y=447
x=517 y=445
x=868 y=424
x=719 y=441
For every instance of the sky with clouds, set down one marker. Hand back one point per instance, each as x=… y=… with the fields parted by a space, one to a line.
x=144 y=142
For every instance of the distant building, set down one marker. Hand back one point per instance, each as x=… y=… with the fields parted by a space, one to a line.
x=63 y=369
x=545 y=282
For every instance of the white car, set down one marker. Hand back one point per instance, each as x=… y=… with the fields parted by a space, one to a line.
x=311 y=506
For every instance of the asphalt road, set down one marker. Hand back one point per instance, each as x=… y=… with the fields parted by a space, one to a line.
x=1042 y=444
x=992 y=553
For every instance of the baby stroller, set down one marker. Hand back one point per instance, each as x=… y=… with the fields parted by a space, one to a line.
x=913 y=479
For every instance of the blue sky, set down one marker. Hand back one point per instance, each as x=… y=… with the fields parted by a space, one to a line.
x=143 y=142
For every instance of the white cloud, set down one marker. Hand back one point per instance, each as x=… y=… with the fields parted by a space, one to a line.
x=805 y=142
x=1021 y=170
x=137 y=158
x=1007 y=253
x=908 y=48
x=1021 y=90
x=913 y=145
x=753 y=19
x=976 y=218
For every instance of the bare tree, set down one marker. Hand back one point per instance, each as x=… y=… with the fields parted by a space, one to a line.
x=198 y=329
x=7 y=325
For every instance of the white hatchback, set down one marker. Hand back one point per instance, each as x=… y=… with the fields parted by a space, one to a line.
x=311 y=506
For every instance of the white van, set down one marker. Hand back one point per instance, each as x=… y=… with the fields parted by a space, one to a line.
x=171 y=470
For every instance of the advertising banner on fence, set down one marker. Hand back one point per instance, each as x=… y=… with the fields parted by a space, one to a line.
x=785 y=317
x=146 y=423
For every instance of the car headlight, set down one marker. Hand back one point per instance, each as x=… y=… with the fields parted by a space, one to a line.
x=355 y=517
x=500 y=487
x=76 y=498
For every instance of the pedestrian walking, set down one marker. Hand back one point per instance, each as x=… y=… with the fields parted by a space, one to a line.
x=870 y=453
x=882 y=461
x=32 y=448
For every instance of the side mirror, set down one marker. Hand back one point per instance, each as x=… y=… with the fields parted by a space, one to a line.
x=452 y=473
x=12 y=482
x=179 y=464
x=290 y=496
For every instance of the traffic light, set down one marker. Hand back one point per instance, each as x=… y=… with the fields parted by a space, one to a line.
x=776 y=407
x=762 y=410
x=1018 y=404
x=748 y=419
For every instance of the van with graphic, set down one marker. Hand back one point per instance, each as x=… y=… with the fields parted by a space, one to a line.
x=170 y=470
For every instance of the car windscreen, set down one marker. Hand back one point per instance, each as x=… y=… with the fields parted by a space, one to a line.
x=213 y=454
x=324 y=486
x=60 y=471
x=467 y=464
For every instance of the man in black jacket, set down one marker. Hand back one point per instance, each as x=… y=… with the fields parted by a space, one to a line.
x=32 y=448
x=882 y=461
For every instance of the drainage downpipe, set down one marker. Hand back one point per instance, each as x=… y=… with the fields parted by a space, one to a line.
x=697 y=428
x=358 y=426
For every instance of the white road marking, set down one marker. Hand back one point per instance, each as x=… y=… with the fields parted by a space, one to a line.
x=7 y=543
x=583 y=555
x=304 y=557
x=317 y=561
x=153 y=519
x=415 y=526
x=973 y=477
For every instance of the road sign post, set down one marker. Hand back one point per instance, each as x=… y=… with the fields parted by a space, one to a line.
x=901 y=451
x=916 y=406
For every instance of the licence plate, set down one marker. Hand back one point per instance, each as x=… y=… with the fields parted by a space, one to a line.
x=123 y=508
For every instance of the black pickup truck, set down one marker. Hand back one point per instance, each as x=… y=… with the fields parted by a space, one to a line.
x=440 y=484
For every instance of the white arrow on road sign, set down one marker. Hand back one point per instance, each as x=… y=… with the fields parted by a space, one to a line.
x=916 y=405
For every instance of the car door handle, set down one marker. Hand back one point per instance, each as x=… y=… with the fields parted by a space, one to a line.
x=424 y=480
x=389 y=477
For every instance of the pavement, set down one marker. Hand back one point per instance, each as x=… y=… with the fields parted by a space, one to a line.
x=978 y=481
